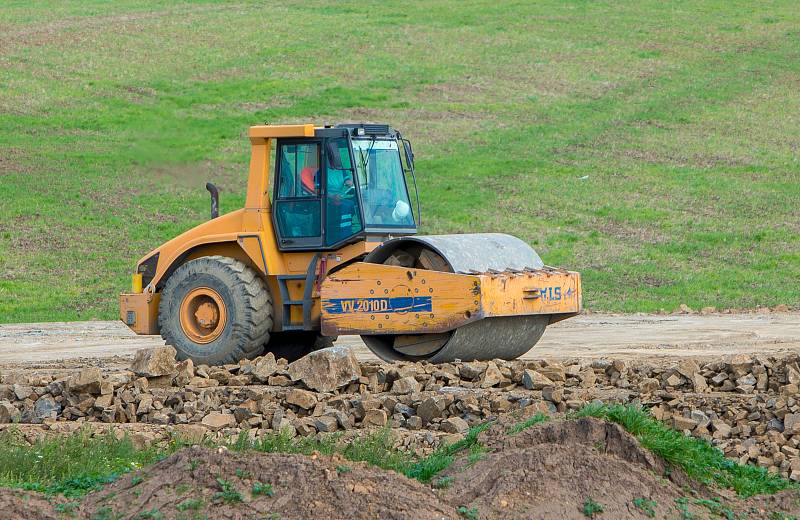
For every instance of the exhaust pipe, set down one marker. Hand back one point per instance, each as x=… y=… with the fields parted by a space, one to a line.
x=214 y=199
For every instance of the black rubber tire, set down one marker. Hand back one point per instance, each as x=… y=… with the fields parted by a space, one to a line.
x=248 y=306
x=293 y=345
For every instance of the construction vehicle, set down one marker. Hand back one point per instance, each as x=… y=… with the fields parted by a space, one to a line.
x=326 y=246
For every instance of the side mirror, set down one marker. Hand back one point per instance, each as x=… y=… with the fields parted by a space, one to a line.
x=409 y=153
x=333 y=156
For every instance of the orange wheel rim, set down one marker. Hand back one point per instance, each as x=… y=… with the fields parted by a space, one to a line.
x=203 y=315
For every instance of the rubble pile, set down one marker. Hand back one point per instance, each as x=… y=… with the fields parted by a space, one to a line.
x=747 y=406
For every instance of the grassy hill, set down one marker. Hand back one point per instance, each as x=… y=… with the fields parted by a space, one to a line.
x=654 y=146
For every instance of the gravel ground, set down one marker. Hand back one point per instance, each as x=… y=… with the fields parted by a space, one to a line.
x=628 y=337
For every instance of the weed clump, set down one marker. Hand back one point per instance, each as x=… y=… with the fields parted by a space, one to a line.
x=591 y=508
x=530 y=421
x=699 y=459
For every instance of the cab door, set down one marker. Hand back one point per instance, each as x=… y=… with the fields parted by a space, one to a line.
x=298 y=194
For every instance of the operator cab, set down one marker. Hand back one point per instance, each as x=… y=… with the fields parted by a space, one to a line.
x=347 y=182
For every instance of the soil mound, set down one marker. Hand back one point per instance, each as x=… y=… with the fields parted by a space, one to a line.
x=15 y=503
x=552 y=470
x=206 y=483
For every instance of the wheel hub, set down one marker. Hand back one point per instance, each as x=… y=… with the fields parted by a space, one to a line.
x=203 y=315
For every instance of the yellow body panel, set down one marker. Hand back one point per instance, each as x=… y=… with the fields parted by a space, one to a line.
x=382 y=299
x=140 y=312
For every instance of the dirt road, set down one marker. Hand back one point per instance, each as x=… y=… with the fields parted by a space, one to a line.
x=595 y=335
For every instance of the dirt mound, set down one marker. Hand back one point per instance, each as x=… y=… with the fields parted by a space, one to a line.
x=16 y=503
x=607 y=438
x=201 y=482
x=553 y=470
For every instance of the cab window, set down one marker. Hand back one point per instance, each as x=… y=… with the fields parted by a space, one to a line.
x=298 y=203
x=342 y=213
x=300 y=170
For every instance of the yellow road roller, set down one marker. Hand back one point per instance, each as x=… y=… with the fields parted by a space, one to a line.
x=325 y=246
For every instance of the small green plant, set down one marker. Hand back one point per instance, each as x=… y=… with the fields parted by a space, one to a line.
x=242 y=473
x=66 y=507
x=343 y=469
x=777 y=515
x=647 y=506
x=591 y=508
x=527 y=423
x=153 y=514
x=194 y=463
x=443 y=482
x=476 y=453
x=104 y=513
x=135 y=481
x=259 y=489
x=189 y=503
x=425 y=469
x=227 y=492
x=716 y=507
x=682 y=505
x=471 y=513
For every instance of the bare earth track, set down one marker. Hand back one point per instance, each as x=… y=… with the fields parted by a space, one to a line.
x=629 y=337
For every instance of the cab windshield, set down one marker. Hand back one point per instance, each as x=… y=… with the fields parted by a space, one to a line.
x=384 y=196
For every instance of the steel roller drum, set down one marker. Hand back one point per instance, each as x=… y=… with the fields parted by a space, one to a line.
x=490 y=338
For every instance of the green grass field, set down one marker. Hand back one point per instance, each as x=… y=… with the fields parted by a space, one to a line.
x=653 y=146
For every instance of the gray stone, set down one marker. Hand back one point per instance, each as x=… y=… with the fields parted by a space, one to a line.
x=405 y=385
x=687 y=368
x=302 y=398
x=430 y=409
x=472 y=371
x=184 y=373
x=87 y=381
x=741 y=364
x=376 y=417
x=327 y=369
x=491 y=376
x=216 y=421
x=649 y=385
x=791 y=423
x=8 y=412
x=46 y=408
x=588 y=377
x=264 y=367
x=698 y=382
x=154 y=362
x=455 y=425
x=747 y=379
x=414 y=423
x=533 y=380
x=553 y=372
x=701 y=418
x=403 y=409
x=722 y=430
x=22 y=392
x=326 y=423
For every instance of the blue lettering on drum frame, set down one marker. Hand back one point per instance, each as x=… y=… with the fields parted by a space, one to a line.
x=379 y=305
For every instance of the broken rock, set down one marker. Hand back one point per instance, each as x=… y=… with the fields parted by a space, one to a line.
x=264 y=367
x=455 y=425
x=216 y=421
x=87 y=381
x=533 y=380
x=327 y=369
x=405 y=385
x=302 y=398
x=154 y=362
